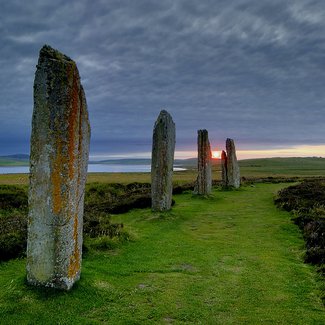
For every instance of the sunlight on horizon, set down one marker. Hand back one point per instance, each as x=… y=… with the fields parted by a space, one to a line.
x=297 y=151
x=216 y=154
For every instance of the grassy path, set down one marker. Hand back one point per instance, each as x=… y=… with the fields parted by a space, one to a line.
x=230 y=259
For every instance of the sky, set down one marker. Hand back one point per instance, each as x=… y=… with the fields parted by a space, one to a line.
x=250 y=70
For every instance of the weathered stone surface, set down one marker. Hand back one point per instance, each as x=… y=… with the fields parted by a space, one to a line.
x=162 y=160
x=204 y=179
x=224 y=168
x=58 y=169
x=233 y=173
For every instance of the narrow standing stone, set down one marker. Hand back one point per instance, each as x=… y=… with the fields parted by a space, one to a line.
x=224 y=168
x=204 y=179
x=162 y=160
x=233 y=173
x=58 y=169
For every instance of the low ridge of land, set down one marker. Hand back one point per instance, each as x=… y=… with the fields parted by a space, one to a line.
x=14 y=160
x=250 y=168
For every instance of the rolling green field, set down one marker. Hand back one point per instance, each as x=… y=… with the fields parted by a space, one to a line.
x=233 y=258
x=286 y=167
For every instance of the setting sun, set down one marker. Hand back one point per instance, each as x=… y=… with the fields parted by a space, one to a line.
x=216 y=154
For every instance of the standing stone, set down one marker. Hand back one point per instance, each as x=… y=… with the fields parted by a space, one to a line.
x=224 y=168
x=162 y=160
x=233 y=173
x=58 y=169
x=204 y=180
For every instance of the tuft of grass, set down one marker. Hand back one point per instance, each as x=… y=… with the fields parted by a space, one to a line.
x=233 y=258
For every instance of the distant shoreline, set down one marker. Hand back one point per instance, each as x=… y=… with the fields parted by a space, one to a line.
x=92 y=168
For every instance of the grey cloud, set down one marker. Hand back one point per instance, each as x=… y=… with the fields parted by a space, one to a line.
x=252 y=70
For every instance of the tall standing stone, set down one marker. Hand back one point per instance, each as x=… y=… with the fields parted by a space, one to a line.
x=224 y=168
x=204 y=179
x=162 y=160
x=233 y=173
x=58 y=169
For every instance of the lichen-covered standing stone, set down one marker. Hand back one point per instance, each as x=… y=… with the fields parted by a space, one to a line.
x=233 y=173
x=162 y=160
x=58 y=169
x=224 y=168
x=204 y=179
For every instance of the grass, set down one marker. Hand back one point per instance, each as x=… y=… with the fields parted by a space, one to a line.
x=285 y=167
x=122 y=178
x=233 y=258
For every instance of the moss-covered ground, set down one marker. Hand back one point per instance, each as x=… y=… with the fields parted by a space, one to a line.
x=233 y=258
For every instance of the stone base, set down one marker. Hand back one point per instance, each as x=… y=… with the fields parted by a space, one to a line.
x=61 y=283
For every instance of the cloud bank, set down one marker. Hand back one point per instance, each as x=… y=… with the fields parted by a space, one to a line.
x=250 y=70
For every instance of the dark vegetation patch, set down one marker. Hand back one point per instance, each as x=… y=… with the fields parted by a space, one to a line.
x=13 y=221
x=116 y=198
x=13 y=236
x=270 y=180
x=307 y=203
x=179 y=189
x=101 y=200
x=13 y=197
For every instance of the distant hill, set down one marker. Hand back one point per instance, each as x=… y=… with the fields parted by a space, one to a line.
x=188 y=163
x=124 y=161
x=14 y=160
x=295 y=166
x=23 y=160
x=23 y=157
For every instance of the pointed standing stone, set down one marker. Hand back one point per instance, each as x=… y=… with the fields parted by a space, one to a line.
x=162 y=160
x=224 y=168
x=204 y=179
x=233 y=173
x=58 y=169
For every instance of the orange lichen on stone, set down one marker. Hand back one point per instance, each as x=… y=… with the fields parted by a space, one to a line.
x=73 y=117
x=59 y=158
x=56 y=180
x=74 y=265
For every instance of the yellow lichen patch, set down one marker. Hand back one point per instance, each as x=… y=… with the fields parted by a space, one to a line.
x=74 y=265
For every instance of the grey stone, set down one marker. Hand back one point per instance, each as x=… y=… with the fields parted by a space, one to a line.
x=58 y=170
x=162 y=160
x=204 y=179
x=233 y=173
x=224 y=168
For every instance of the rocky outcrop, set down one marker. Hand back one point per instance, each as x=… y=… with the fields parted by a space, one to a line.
x=162 y=160
x=204 y=179
x=58 y=169
x=233 y=173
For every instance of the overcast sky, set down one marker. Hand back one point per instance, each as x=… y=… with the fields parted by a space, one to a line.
x=252 y=70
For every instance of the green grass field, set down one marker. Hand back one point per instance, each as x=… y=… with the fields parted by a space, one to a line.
x=285 y=167
x=233 y=258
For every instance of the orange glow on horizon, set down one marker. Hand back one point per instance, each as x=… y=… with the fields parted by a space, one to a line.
x=216 y=154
